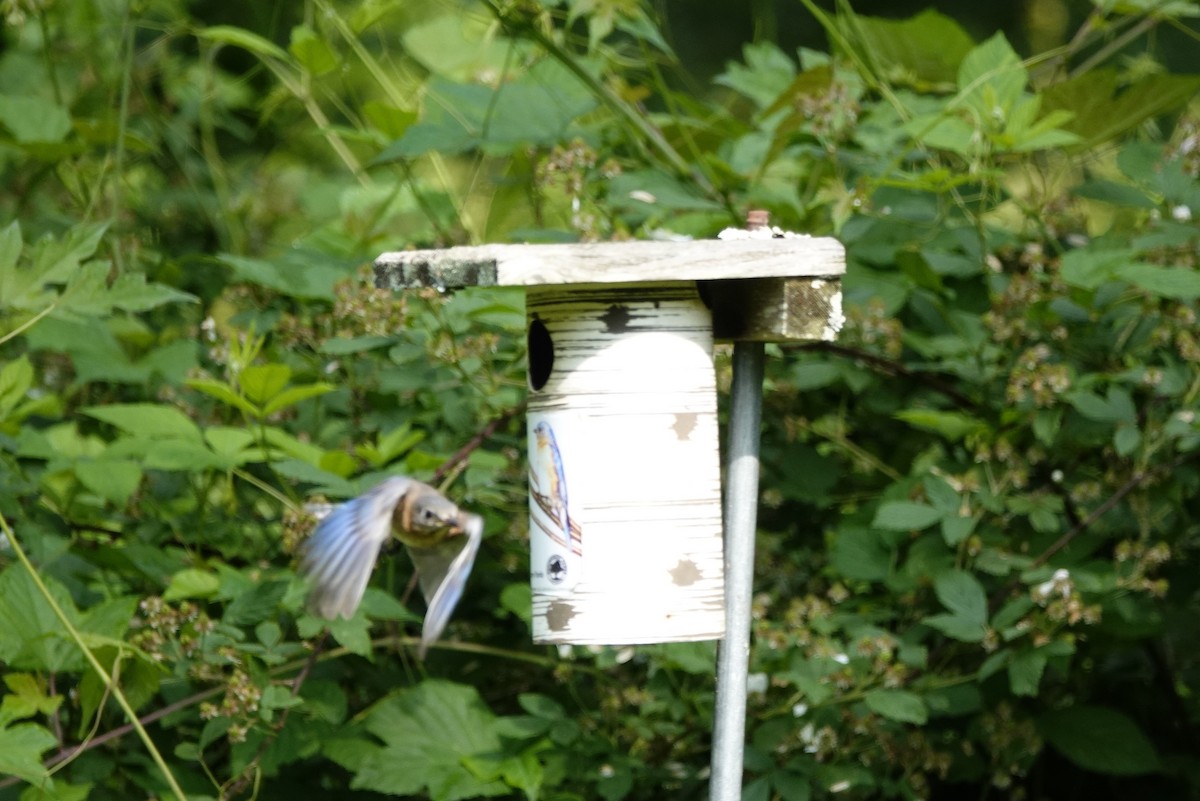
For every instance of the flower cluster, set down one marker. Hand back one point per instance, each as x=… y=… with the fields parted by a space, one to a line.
x=1037 y=380
x=169 y=633
x=240 y=704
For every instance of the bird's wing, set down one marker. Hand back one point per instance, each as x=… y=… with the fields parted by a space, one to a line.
x=443 y=570
x=341 y=553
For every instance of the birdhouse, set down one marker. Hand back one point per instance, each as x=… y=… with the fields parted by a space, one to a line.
x=625 y=515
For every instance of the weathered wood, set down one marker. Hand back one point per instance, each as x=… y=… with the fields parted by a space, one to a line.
x=775 y=309
x=635 y=261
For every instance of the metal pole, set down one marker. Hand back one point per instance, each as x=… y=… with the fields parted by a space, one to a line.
x=741 y=512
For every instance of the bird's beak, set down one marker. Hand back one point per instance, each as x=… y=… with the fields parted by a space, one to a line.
x=456 y=524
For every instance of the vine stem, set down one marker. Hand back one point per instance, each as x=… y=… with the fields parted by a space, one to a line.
x=103 y=674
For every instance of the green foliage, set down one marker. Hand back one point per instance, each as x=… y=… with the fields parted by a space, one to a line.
x=979 y=542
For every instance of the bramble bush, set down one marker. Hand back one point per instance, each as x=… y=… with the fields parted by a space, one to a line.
x=978 y=557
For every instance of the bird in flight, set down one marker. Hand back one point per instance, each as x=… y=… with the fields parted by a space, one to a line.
x=441 y=539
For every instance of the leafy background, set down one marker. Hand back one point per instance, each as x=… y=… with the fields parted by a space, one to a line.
x=978 y=554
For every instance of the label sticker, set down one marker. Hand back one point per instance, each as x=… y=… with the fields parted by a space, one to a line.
x=555 y=531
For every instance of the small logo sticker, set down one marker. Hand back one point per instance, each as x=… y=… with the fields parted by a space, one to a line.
x=556 y=569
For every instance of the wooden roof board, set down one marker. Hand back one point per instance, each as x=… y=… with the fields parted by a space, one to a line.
x=633 y=261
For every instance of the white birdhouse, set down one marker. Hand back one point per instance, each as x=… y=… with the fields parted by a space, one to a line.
x=624 y=460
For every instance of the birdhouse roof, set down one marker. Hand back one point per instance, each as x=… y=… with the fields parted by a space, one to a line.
x=636 y=261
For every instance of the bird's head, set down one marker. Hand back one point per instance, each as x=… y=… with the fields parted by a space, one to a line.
x=422 y=518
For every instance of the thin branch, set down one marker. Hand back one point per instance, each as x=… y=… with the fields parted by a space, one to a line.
x=32 y=321
x=473 y=444
x=892 y=368
x=1135 y=481
x=1062 y=542
x=115 y=734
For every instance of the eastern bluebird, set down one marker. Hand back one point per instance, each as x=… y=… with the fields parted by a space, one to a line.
x=441 y=539
x=548 y=463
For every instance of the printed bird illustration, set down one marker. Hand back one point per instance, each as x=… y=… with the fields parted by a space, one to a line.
x=441 y=539
x=548 y=466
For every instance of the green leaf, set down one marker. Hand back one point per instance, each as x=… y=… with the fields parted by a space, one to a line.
x=951 y=425
x=954 y=700
x=235 y=446
x=329 y=483
x=21 y=749
x=456 y=46
x=257 y=605
x=353 y=634
x=1114 y=193
x=16 y=378
x=59 y=791
x=1104 y=104
x=140 y=679
x=31 y=636
x=390 y=121
x=262 y=382
x=293 y=395
x=957 y=529
x=1126 y=439
x=957 y=627
x=1025 y=672
x=543 y=106
x=791 y=786
x=900 y=705
x=905 y=516
x=1091 y=268
x=1092 y=406
x=1100 y=740
x=296 y=274
x=962 y=594
x=147 y=420
x=27 y=697
x=342 y=347
x=52 y=262
x=132 y=293
x=224 y=393
x=651 y=191
x=859 y=553
x=541 y=706
x=1182 y=283
x=451 y=123
x=429 y=731
x=34 y=120
x=807 y=376
x=924 y=51
x=276 y=697
x=312 y=52
x=11 y=246
x=991 y=78
x=192 y=583
x=766 y=74
x=112 y=479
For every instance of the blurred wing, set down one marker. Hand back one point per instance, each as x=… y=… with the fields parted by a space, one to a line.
x=443 y=571
x=341 y=553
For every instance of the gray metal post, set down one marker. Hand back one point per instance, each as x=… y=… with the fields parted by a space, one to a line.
x=741 y=513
